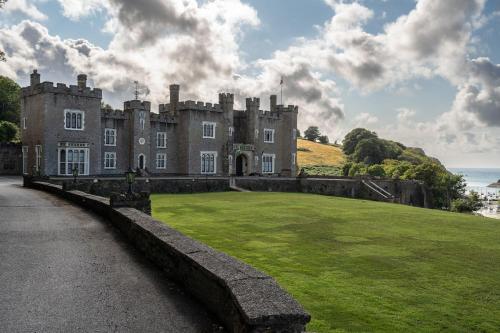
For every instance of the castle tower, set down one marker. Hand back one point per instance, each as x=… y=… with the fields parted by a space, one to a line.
x=253 y=130
x=174 y=97
x=226 y=101
x=138 y=114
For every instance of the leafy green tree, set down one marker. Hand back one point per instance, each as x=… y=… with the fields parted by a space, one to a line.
x=324 y=139
x=298 y=133
x=396 y=169
x=376 y=170
x=8 y=131
x=352 y=139
x=369 y=151
x=357 y=169
x=10 y=100
x=467 y=204
x=312 y=133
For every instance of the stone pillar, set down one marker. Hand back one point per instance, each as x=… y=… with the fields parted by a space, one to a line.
x=82 y=81
x=34 y=78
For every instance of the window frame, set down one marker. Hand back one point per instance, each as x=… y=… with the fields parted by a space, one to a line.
x=106 y=159
x=203 y=163
x=158 y=155
x=38 y=157
x=76 y=113
x=266 y=131
x=164 y=134
x=25 y=159
x=209 y=123
x=86 y=160
x=106 y=137
x=294 y=159
x=25 y=125
x=265 y=163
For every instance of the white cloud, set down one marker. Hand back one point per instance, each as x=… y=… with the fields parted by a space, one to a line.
x=25 y=7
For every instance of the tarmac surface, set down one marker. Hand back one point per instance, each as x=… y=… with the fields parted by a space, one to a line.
x=63 y=269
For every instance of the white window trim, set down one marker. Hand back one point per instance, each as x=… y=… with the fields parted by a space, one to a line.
x=25 y=126
x=164 y=159
x=231 y=130
x=77 y=112
x=203 y=129
x=38 y=157
x=86 y=166
x=215 y=162
x=266 y=130
x=114 y=158
x=274 y=159
x=25 y=159
x=114 y=136
x=294 y=158
x=294 y=133
x=164 y=139
x=230 y=162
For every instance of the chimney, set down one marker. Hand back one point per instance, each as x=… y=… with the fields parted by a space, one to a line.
x=174 y=97
x=34 y=78
x=82 y=81
x=274 y=101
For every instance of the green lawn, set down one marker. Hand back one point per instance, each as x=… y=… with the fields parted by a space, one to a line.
x=356 y=266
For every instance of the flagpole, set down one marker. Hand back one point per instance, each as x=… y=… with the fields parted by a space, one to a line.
x=281 y=86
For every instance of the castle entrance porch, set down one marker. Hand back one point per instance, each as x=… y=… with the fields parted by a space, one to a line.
x=241 y=165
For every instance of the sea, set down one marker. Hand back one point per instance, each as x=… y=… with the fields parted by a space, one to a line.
x=478 y=179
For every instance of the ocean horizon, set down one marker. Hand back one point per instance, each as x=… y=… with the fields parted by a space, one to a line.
x=478 y=177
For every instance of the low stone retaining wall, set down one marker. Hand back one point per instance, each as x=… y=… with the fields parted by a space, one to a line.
x=105 y=186
x=244 y=299
x=404 y=192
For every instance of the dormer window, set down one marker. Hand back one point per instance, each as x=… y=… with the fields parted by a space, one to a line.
x=208 y=130
x=74 y=120
x=268 y=135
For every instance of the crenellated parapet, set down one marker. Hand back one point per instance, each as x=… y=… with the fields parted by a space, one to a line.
x=289 y=108
x=61 y=88
x=113 y=114
x=199 y=106
x=253 y=103
x=136 y=104
x=162 y=118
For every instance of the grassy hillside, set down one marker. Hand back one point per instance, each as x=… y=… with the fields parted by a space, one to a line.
x=356 y=266
x=319 y=159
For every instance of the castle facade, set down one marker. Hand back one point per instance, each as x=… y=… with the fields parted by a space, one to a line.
x=65 y=129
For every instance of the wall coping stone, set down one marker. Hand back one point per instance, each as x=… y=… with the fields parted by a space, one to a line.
x=243 y=298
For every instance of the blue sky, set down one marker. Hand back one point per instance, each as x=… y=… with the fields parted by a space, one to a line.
x=416 y=71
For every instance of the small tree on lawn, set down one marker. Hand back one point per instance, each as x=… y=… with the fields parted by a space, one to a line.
x=312 y=133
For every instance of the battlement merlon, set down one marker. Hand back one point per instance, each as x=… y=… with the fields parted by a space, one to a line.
x=137 y=105
x=226 y=99
x=198 y=106
x=81 y=89
x=112 y=114
x=289 y=108
x=253 y=104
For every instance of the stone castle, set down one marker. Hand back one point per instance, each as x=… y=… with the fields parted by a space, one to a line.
x=65 y=129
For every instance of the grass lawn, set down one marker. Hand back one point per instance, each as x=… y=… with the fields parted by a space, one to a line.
x=356 y=266
x=313 y=154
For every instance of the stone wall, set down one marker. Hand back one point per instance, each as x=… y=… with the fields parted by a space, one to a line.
x=11 y=161
x=245 y=300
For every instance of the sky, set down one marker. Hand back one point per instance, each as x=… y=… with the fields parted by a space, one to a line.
x=422 y=72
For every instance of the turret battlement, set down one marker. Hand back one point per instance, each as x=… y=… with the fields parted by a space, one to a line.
x=155 y=117
x=136 y=104
x=60 y=88
x=253 y=103
x=226 y=98
x=289 y=108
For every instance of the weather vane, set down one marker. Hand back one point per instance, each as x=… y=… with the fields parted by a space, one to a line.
x=136 y=90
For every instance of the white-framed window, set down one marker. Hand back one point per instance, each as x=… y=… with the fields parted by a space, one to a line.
x=110 y=137
x=161 y=161
x=25 y=125
x=161 y=139
x=294 y=158
x=38 y=157
x=208 y=162
x=74 y=120
x=256 y=134
x=268 y=163
x=256 y=161
x=110 y=160
x=268 y=135
x=230 y=162
x=231 y=130
x=294 y=133
x=70 y=158
x=25 y=160
x=209 y=130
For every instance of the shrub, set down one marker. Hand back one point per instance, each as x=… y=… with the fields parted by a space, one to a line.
x=312 y=133
x=376 y=170
x=324 y=139
x=467 y=204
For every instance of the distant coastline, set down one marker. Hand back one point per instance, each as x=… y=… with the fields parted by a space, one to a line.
x=479 y=177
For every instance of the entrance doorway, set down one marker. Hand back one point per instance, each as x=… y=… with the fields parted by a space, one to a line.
x=241 y=165
x=142 y=161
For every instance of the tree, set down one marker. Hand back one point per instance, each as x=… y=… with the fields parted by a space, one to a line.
x=298 y=133
x=369 y=151
x=467 y=204
x=376 y=170
x=324 y=139
x=8 y=131
x=10 y=101
x=312 y=133
x=352 y=139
